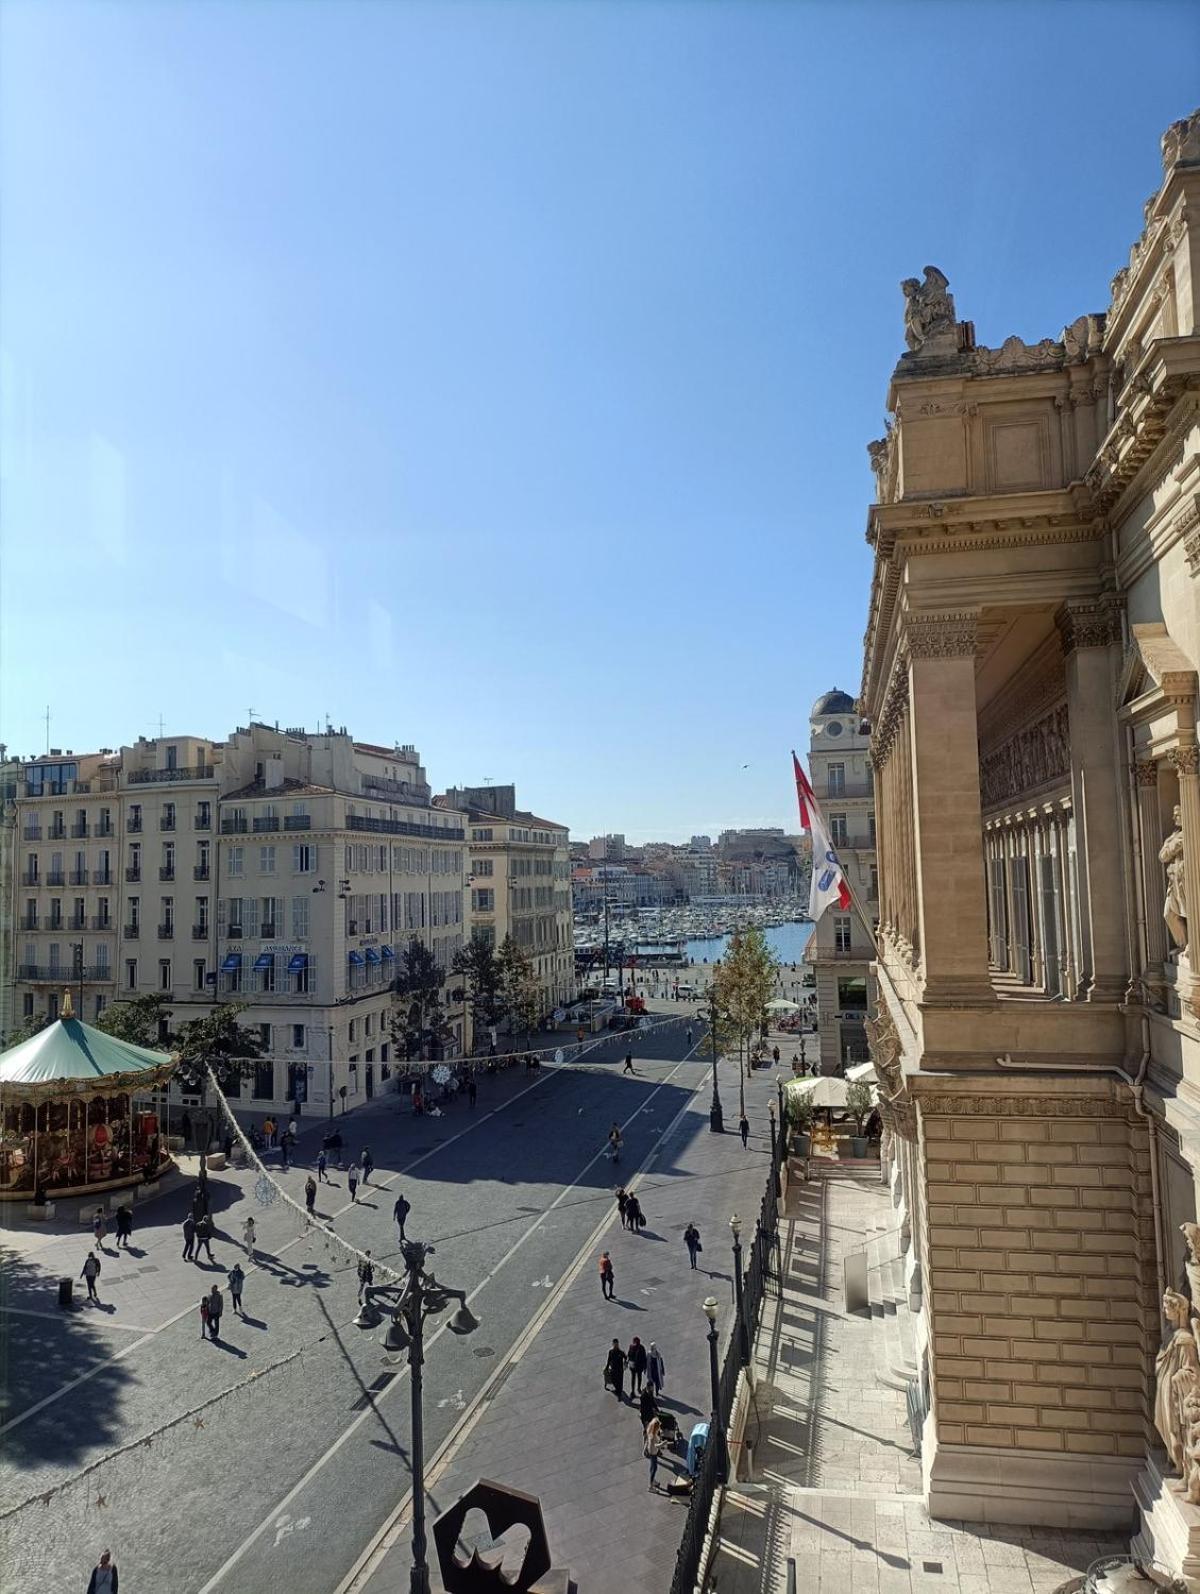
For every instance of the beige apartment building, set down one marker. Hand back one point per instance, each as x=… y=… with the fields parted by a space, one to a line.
x=1030 y=678
x=841 y=949
x=521 y=884
x=283 y=870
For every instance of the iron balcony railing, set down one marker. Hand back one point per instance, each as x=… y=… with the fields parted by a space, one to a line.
x=166 y=821
x=200 y=932
x=102 y=921
x=402 y=827
x=297 y=822
x=167 y=872
x=157 y=777
x=66 y=973
x=267 y=822
x=133 y=872
x=79 y=830
x=31 y=878
x=131 y=932
x=166 y=932
x=77 y=921
x=201 y=872
x=32 y=833
x=201 y=821
x=102 y=877
x=29 y=922
x=234 y=827
x=133 y=826
x=104 y=830
x=79 y=877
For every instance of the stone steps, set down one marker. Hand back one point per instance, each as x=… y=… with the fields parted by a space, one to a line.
x=896 y=1366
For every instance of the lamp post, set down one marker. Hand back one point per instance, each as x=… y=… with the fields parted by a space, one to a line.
x=716 y=1434
x=774 y=1145
x=735 y=1228
x=716 y=1118
x=418 y=1298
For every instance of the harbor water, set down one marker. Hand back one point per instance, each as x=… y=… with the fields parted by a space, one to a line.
x=787 y=941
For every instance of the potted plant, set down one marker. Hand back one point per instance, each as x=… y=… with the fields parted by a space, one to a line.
x=800 y=1117
x=858 y=1105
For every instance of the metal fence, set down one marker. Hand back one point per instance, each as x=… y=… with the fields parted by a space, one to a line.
x=761 y=1273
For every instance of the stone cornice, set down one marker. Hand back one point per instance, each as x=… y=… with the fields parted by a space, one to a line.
x=951 y=634
x=1020 y=1106
x=888 y=722
x=1167 y=372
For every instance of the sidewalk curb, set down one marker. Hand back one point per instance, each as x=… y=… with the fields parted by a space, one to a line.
x=392 y=1530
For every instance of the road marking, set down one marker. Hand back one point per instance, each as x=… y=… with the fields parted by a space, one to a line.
x=76 y=1311
x=348 y=1432
x=542 y=1284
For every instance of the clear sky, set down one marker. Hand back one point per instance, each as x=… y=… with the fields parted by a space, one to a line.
x=498 y=377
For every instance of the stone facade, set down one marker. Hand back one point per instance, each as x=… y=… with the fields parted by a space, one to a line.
x=1030 y=678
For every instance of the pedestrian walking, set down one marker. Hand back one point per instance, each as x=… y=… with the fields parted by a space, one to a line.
x=283 y=1151
x=628 y=1069
x=656 y=1370
x=104 y=1575
x=607 y=1277
x=634 y=1214
x=400 y=1211
x=185 y=1128
x=204 y=1317
x=614 y=1143
x=321 y=1174
x=368 y=1165
x=237 y=1280
x=744 y=1129
x=652 y=1448
x=249 y=1236
x=189 y=1238
x=691 y=1238
x=614 y=1370
x=199 y=1202
x=99 y=1227
x=293 y=1128
x=269 y=1131
x=472 y=1091
x=775 y=1055
x=310 y=1195
x=689 y=1037
x=352 y=1180
x=204 y=1230
x=124 y=1224
x=636 y=1359
x=623 y=1206
x=91 y=1272
x=366 y=1275
x=216 y=1305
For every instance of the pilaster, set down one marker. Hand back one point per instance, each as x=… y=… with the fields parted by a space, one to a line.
x=1090 y=632
x=1186 y=762
x=1150 y=828
x=948 y=823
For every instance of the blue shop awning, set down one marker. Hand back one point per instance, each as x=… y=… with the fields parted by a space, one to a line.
x=355 y=957
x=298 y=962
x=388 y=955
x=232 y=963
x=373 y=955
x=265 y=960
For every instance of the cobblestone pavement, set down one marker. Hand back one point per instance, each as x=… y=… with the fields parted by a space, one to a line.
x=837 y=1485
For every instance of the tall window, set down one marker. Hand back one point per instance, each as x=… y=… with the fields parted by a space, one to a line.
x=131 y=974
x=841 y=933
x=299 y=918
x=164 y=974
x=835 y=780
x=837 y=829
x=304 y=858
x=236 y=862
x=266 y=860
x=998 y=912
x=198 y=973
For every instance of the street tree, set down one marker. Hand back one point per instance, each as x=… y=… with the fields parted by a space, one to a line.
x=228 y=1048
x=418 y=1015
x=138 y=1020
x=27 y=1029
x=480 y=970
x=519 y=987
x=744 y=980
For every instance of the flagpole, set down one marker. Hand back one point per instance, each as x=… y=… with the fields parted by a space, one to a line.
x=854 y=902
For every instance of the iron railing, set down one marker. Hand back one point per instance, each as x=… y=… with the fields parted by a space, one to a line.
x=155 y=777
x=761 y=1272
x=401 y=827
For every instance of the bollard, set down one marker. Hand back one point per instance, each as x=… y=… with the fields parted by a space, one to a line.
x=65 y=1288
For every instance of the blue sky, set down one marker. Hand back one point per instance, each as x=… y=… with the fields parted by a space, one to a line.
x=499 y=377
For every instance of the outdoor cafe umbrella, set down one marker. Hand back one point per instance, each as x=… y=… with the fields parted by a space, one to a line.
x=779 y=1005
x=826 y=1090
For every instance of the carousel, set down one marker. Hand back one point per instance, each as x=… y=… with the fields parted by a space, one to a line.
x=72 y=1123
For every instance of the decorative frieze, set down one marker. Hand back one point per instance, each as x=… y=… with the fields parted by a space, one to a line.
x=1027 y=761
x=941 y=636
x=1092 y=624
x=889 y=721
x=1023 y=1107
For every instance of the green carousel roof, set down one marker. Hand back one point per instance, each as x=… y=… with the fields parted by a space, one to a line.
x=76 y=1056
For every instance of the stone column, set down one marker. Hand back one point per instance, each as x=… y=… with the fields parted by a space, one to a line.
x=947 y=821
x=1089 y=633
x=1186 y=760
x=1062 y=834
x=1150 y=831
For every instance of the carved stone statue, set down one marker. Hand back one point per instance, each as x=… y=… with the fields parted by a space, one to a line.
x=1181 y=141
x=928 y=308
x=1175 y=905
x=1191 y=1233
x=1177 y=1375
x=1191 y=1448
x=879 y=453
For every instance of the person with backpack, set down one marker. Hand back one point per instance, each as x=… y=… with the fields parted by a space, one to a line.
x=204 y=1230
x=607 y=1277
x=310 y=1195
x=691 y=1238
x=366 y=1276
x=124 y=1224
x=634 y=1214
x=90 y=1272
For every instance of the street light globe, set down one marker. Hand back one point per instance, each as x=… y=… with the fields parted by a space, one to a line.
x=735 y=1226
x=710 y=1309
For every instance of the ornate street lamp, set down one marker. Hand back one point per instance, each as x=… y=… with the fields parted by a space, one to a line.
x=716 y=1118
x=417 y=1299
x=735 y=1228
x=716 y=1433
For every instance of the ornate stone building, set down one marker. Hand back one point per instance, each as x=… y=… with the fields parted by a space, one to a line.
x=1031 y=679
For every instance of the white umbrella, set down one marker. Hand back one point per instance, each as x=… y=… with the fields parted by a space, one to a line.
x=825 y=1090
x=780 y=1006
x=864 y=1072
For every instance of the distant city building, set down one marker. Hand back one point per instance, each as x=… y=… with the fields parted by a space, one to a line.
x=610 y=848
x=521 y=884
x=700 y=843
x=841 y=948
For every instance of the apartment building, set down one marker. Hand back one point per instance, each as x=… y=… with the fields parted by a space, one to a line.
x=841 y=948
x=284 y=870
x=9 y=774
x=521 y=884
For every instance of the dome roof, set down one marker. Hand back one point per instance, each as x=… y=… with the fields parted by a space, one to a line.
x=835 y=702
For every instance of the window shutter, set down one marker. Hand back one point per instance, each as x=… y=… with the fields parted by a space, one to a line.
x=222 y=916
x=250 y=917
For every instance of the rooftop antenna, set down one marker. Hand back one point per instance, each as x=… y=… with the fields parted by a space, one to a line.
x=252 y=713
x=46 y=717
x=161 y=725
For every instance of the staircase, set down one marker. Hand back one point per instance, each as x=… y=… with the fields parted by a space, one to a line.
x=897 y=1359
